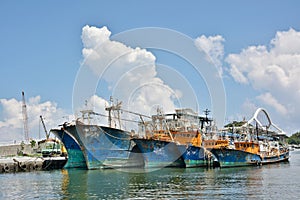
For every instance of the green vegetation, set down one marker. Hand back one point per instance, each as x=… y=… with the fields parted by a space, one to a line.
x=32 y=143
x=22 y=145
x=235 y=124
x=294 y=139
x=20 y=152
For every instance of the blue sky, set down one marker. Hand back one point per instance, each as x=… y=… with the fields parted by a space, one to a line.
x=41 y=45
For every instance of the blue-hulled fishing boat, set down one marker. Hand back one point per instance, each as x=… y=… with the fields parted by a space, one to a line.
x=273 y=152
x=75 y=155
x=193 y=156
x=258 y=145
x=244 y=154
x=159 y=153
x=175 y=140
x=105 y=146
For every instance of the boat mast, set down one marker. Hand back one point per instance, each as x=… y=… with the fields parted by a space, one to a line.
x=206 y=112
x=113 y=107
x=162 y=120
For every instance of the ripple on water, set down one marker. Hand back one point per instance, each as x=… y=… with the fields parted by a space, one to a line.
x=266 y=182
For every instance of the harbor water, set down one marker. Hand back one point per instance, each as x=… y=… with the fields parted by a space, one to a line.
x=275 y=181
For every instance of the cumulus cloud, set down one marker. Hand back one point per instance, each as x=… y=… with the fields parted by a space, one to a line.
x=268 y=99
x=262 y=67
x=12 y=113
x=111 y=59
x=286 y=42
x=273 y=70
x=130 y=73
x=11 y=126
x=213 y=47
x=96 y=104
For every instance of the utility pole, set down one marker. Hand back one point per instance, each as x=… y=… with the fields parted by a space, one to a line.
x=25 y=117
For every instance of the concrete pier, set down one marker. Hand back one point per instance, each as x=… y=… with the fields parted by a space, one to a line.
x=14 y=149
x=26 y=164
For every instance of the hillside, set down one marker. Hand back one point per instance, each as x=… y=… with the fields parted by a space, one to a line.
x=294 y=139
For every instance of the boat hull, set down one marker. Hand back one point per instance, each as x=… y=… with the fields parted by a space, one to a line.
x=235 y=158
x=193 y=156
x=51 y=163
x=159 y=154
x=275 y=159
x=75 y=155
x=103 y=147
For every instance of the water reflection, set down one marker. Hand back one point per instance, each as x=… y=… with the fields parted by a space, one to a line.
x=275 y=181
x=165 y=183
x=74 y=184
x=172 y=183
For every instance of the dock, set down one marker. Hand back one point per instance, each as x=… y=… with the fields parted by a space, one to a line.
x=27 y=164
x=11 y=160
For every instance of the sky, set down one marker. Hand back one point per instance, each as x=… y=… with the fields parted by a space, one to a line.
x=57 y=52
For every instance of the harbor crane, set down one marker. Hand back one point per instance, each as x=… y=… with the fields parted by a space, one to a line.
x=47 y=134
x=25 y=117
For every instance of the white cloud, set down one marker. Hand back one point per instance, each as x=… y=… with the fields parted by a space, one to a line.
x=11 y=126
x=264 y=69
x=96 y=104
x=11 y=113
x=286 y=42
x=268 y=99
x=213 y=46
x=274 y=71
x=249 y=108
x=92 y=36
x=112 y=58
x=130 y=72
x=238 y=76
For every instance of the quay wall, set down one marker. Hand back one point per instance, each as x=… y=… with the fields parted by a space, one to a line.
x=12 y=150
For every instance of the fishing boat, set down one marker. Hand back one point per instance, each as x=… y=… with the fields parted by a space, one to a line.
x=159 y=153
x=245 y=153
x=75 y=155
x=255 y=147
x=273 y=152
x=273 y=147
x=194 y=156
x=102 y=147
x=192 y=151
x=214 y=140
x=172 y=140
x=105 y=146
x=52 y=148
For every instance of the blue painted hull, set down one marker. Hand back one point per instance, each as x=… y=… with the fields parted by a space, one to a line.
x=103 y=147
x=193 y=156
x=235 y=158
x=75 y=155
x=159 y=154
x=274 y=159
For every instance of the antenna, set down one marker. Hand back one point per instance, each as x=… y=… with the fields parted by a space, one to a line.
x=206 y=112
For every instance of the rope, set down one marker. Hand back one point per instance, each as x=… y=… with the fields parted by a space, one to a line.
x=129 y=120
x=112 y=135
x=48 y=164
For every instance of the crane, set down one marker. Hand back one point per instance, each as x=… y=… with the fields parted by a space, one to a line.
x=47 y=134
x=25 y=117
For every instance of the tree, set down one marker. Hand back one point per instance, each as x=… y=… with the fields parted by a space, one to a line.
x=32 y=142
x=294 y=139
